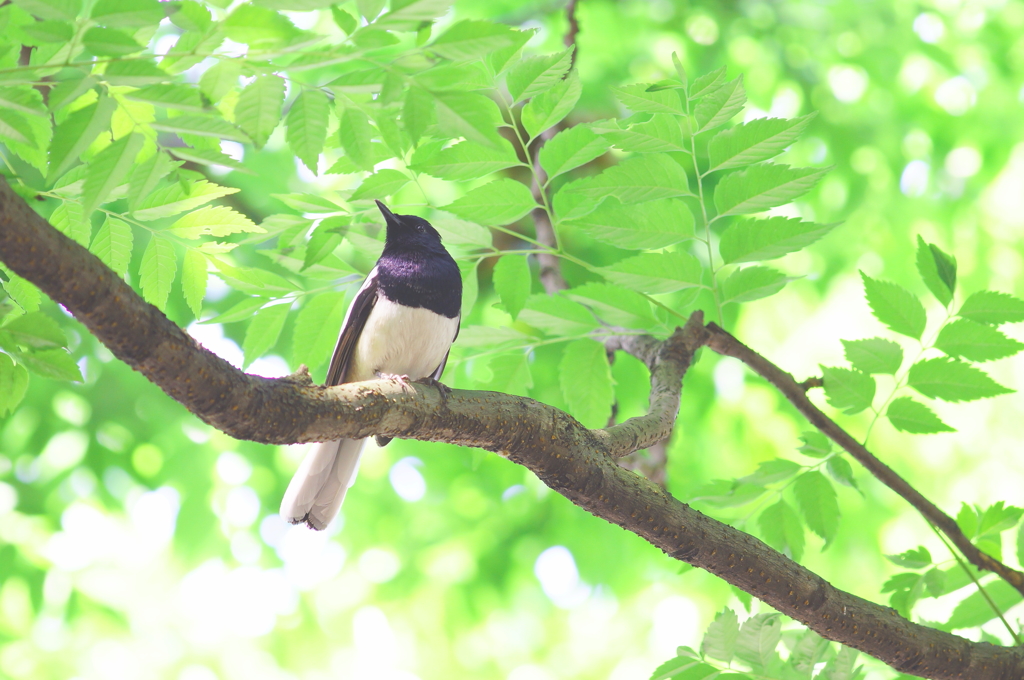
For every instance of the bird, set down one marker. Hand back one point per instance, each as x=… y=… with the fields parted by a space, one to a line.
x=401 y=324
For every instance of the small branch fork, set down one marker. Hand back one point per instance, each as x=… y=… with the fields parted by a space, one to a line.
x=579 y=463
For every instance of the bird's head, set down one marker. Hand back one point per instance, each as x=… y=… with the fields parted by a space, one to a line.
x=409 y=231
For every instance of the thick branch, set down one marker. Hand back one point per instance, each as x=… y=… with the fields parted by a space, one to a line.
x=566 y=456
x=722 y=342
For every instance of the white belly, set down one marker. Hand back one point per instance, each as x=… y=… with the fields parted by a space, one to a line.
x=401 y=340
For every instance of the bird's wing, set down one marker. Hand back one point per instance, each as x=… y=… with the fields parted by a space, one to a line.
x=352 y=328
x=436 y=375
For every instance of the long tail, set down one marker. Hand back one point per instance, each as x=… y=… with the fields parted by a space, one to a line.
x=316 y=491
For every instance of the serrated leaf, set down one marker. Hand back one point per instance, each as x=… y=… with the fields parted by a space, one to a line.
x=109 y=169
x=467 y=160
x=356 y=132
x=661 y=133
x=258 y=27
x=217 y=221
x=656 y=273
x=534 y=75
x=758 y=638
x=76 y=133
x=309 y=203
x=771 y=471
x=650 y=225
x=980 y=608
x=907 y=415
x=683 y=668
x=641 y=178
x=60 y=10
x=764 y=186
x=938 y=271
x=156 y=272
x=968 y=520
x=220 y=79
x=586 y=381
x=874 y=355
x=461 y=232
x=917 y=558
x=753 y=142
x=193 y=281
x=952 y=380
x=546 y=109
x=381 y=184
x=817 y=500
x=470 y=39
x=753 y=283
x=14 y=378
x=172 y=199
x=51 y=363
x=991 y=307
x=263 y=332
x=639 y=98
x=316 y=329
x=895 y=306
x=781 y=528
x=258 y=110
x=169 y=96
x=15 y=127
x=841 y=667
x=707 y=83
x=113 y=244
x=469 y=115
x=557 y=315
x=615 y=305
x=135 y=73
x=110 y=42
x=325 y=239
x=841 y=471
x=500 y=202
x=570 y=149
x=418 y=113
x=512 y=282
x=809 y=650
x=975 y=342
x=510 y=373
x=69 y=220
x=999 y=517
x=720 y=639
x=815 y=444
x=848 y=390
x=201 y=126
x=35 y=330
x=24 y=293
x=208 y=157
x=719 y=106
x=127 y=13
x=768 y=239
x=147 y=175
x=307 y=126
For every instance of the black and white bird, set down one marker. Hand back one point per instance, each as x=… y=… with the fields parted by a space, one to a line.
x=401 y=323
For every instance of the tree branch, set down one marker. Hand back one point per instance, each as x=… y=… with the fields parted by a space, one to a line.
x=567 y=457
x=722 y=342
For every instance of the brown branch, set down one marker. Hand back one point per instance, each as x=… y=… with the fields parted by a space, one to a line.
x=722 y=342
x=569 y=458
x=574 y=28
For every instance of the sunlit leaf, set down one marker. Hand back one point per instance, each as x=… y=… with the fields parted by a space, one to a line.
x=263 y=332
x=467 y=160
x=720 y=639
x=307 y=126
x=952 y=380
x=113 y=244
x=512 y=282
x=503 y=201
x=258 y=110
x=753 y=283
x=156 y=272
x=753 y=142
x=14 y=378
x=654 y=224
x=895 y=306
x=656 y=273
x=817 y=500
x=570 y=149
x=782 y=529
x=764 y=186
x=109 y=169
x=546 y=109
x=938 y=271
x=975 y=342
x=586 y=381
x=639 y=98
x=193 y=281
x=76 y=133
x=991 y=307
x=874 y=355
x=535 y=75
x=719 y=106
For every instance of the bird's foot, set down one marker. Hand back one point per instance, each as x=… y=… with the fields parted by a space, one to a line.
x=441 y=387
x=403 y=380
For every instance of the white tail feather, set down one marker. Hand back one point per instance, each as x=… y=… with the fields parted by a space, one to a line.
x=316 y=491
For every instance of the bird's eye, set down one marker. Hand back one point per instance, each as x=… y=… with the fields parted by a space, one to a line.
x=420 y=229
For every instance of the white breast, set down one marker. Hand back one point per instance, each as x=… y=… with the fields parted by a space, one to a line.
x=401 y=340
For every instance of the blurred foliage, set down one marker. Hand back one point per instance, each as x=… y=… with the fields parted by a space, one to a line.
x=136 y=542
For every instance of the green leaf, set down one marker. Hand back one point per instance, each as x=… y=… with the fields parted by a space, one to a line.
x=113 y=244
x=638 y=98
x=344 y=20
x=220 y=79
x=975 y=342
x=808 y=652
x=753 y=283
x=307 y=126
x=35 y=330
x=469 y=115
x=380 y=184
x=127 y=13
x=258 y=110
x=718 y=107
x=14 y=378
x=895 y=306
x=557 y=315
x=60 y=10
x=841 y=667
x=510 y=373
x=512 y=282
x=51 y=363
x=470 y=285
x=907 y=415
x=841 y=471
x=263 y=331
x=316 y=329
x=661 y=133
x=615 y=305
x=147 y=175
x=69 y=219
x=655 y=224
x=156 y=272
x=586 y=381
x=874 y=355
x=172 y=199
x=370 y=9
x=218 y=221
x=771 y=471
x=952 y=380
x=13 y=126
x=570 y=149
x=781 y=528
x=848 y=390
x=684 y=668
x=76 y=133
x=707 y=83
x=193 y=281
x=500 y=202
x=938 y=271
x=324 y=240
x=815 y=444
x=546 y=109
x=311 y=203
x=918 y=558
x=764 y=186
x=418 y=113
x=414 y=11
x=135 y=73
x=968 y=520
x=991 y=307
x=467 y=160
x=109 y=169
x=201 y=126
x=758 y=638
x=753 y=142
x=817 y=501
x=1020 y=544
x=656 y=273
x=169 y=96
x=258 y=27
x=469 y=39
x=975 y=609
x=356 y=132
x=24 y=293
x=534 y=75
x=208 y=157
x=641 y=178
x=999 y=517
x=720 y=639
x=461 y=232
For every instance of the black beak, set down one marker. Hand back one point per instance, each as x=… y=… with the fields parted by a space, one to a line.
x=389 y=217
